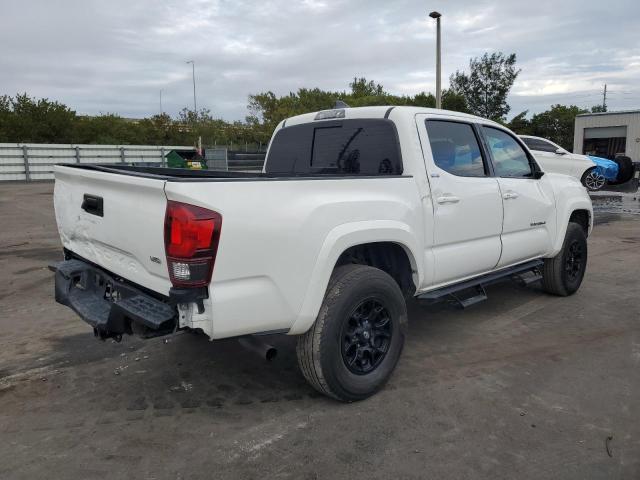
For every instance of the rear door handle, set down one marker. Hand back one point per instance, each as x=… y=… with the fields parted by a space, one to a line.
x=447 y=199
x=510 y=195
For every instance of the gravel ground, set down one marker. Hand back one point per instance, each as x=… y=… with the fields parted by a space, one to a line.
x=522 y=386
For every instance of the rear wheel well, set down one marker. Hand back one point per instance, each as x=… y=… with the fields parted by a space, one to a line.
x=387 y=256
x=582 y=218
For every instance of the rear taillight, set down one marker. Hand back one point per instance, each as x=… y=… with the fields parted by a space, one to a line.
x=191 y=236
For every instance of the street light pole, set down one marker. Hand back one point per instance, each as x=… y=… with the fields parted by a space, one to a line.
x=437 y=16
x=193 y=72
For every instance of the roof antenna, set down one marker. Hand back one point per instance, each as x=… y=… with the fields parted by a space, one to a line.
x=341 y=104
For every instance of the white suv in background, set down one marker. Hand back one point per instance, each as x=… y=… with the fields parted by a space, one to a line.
x=554 y=158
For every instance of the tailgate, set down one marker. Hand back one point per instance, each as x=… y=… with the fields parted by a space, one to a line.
x=115 y=221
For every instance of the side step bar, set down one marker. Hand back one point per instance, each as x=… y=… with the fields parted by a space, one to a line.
x=473 y=291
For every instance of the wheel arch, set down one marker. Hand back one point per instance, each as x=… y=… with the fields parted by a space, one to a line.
x=583 y=177
x=583 y=218
x=385 y=244
x=570 y=196
x=580 y=213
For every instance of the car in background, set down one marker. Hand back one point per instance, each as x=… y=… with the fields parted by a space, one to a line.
x=593 y=172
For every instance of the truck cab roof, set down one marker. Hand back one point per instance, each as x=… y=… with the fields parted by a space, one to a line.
x=383 y=111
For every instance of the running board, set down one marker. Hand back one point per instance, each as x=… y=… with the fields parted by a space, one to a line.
x=525 y=274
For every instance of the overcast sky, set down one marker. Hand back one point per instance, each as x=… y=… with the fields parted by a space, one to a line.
x=115 y=56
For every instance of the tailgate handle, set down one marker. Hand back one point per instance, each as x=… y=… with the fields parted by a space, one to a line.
x=93 y=204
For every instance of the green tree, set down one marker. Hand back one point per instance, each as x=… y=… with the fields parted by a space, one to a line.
x=487 y=85
x=106 y=129
x=454 y=101
x=25 y=119
x=599 y=108
x=266 y=109
x=360 y=87
x=557 y=124
x=5 y=118
x=520 y=124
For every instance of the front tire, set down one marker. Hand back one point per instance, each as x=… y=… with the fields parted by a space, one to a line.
x=354 y=345
x=593 y=180
x=562 y=275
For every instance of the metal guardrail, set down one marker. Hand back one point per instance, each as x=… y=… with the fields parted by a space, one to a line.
x=31 y=161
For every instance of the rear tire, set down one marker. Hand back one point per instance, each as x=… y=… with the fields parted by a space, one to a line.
x=562 y=275
x=625 y=170
x=354 y=345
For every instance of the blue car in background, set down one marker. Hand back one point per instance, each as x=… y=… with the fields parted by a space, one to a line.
x=593 y=172
x=605 y=167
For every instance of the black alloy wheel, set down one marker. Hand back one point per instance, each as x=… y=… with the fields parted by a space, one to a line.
x=366 y=337
x=574 y=261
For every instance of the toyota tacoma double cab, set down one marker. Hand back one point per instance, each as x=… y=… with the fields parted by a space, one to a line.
x=356 y=211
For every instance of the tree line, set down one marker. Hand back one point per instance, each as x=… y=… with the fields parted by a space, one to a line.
x=480 y=90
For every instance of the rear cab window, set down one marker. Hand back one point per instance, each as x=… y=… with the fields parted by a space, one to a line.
x=367 y=147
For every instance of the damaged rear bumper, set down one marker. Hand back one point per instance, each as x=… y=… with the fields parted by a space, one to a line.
x=110 y=305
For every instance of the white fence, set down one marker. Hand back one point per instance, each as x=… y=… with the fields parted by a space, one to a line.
x=35 y=161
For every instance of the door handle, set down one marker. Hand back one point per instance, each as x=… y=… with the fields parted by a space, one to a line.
x=510 y=195
x=447 y=199
x=93 y=204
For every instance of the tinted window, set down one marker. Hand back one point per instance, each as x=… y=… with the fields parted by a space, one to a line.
x=539 y=145
x=347 y=147
x=455 y=148
x=509 y=158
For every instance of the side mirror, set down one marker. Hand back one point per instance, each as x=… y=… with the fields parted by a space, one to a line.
x=561 y=151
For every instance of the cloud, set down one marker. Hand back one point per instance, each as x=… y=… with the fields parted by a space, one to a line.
x=115 y=56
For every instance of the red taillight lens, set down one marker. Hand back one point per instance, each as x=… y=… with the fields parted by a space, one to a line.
x=191 y=236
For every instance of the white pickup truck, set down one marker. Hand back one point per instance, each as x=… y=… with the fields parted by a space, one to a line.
x=356 y=210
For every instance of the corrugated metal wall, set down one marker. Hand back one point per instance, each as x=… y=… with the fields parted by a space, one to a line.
x=35 y=161
x=629 y=119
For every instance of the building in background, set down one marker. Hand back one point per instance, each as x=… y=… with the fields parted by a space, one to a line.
x=608 y=134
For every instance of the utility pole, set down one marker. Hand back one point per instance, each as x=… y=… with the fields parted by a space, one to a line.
x=436 y=16
x=193 y=71
x=161 y=111
x=604 y=99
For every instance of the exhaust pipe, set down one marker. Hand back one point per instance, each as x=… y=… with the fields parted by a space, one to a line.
x=266 y=351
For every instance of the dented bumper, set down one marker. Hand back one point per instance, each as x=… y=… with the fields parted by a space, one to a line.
x=109 y=304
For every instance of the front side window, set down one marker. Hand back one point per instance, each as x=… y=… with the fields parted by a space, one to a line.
x=455 y=148
x=509 y=158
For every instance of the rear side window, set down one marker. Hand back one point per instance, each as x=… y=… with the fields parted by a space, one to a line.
x=455 y=148
x=346 y=147
x=539 y=145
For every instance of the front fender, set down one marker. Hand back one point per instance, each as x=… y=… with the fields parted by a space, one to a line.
x=570 y=196
x=336 y=242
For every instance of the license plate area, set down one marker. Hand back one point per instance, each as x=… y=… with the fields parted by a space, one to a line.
x=111 y=306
